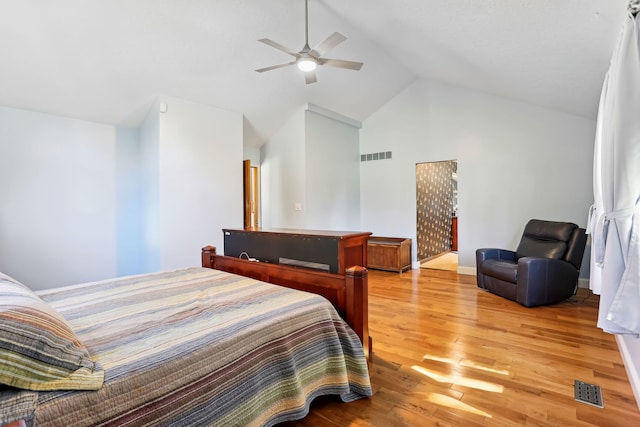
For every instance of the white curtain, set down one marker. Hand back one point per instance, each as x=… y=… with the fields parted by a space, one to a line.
x=614 y=219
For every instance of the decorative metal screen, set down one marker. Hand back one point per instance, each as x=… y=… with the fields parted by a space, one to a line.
x=434 y=200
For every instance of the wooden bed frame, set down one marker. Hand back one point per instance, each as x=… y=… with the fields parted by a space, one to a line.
x=348 y=293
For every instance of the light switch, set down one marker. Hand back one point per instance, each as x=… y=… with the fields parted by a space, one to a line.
x=297 y=206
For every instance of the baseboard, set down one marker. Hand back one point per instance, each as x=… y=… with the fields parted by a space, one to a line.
x=583 y=282
x=471 y=271
x=633 y=370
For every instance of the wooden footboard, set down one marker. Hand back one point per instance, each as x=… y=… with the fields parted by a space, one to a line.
x=348 y=293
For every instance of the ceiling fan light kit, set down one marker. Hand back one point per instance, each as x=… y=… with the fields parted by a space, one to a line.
x=308 y=59
x=306 y=64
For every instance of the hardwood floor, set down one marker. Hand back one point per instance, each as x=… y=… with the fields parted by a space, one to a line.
x=447 y=353
x=446 y=261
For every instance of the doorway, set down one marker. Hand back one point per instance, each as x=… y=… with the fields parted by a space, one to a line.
x=437 y=214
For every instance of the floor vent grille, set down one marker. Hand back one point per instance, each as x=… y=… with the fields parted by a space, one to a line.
x=587 y=393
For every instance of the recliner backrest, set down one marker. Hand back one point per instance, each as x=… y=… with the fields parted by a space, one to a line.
x=575 y=249
x=547 y=239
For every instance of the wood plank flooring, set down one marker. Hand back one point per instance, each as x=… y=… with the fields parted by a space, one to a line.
x=446 y=261
x=447 y=353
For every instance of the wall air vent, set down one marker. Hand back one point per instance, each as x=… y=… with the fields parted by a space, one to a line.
x=382 y=155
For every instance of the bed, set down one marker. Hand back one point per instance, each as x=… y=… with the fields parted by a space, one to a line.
x=194 y=346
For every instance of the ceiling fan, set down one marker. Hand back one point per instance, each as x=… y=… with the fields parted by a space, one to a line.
x=308 y=59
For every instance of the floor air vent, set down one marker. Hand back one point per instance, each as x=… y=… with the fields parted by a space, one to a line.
x=587 y=393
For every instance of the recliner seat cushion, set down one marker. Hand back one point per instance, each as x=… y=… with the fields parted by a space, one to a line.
x=501 y=269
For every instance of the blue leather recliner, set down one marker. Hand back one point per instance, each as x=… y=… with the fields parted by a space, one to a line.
x=544 y=269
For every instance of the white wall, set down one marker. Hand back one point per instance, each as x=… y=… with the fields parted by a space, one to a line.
x=282 y=175
x=515 y=162
x=83 y=201
x=149 y=175
x=200 y=179
x=310 y=172
x=58 y=192
x=332 y=160
x=129 y=219
x=252 y=154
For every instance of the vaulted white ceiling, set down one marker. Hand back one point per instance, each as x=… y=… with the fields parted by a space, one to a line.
x=108 y=60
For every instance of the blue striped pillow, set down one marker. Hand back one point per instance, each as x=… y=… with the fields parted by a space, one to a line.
x=38 y=348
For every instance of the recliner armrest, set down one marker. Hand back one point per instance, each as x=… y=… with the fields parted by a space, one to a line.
x=494 y=253
x=483 y=254
x=544 y=281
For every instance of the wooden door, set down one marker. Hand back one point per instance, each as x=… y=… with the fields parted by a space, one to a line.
x=251 y=191
x=247 y=196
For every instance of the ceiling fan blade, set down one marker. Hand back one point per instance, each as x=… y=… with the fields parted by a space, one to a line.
x=310 y=77
x=279 y=47
x=273 y=67
x=341 y=63
x=329 y=43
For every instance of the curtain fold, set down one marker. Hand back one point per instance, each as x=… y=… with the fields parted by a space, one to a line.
x=614 y=219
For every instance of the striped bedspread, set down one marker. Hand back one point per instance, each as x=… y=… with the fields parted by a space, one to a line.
x=196 y=347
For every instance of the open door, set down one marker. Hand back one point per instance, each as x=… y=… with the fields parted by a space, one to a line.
x=250 y=194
